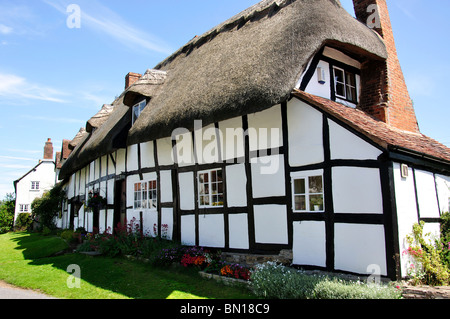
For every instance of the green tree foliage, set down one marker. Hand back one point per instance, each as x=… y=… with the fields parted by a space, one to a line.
x=7 y=207
x=47 y=207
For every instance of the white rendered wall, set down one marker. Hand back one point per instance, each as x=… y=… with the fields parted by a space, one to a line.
x=165 y=152
x=207 y=141
x=167 y=219
x=45 y=175
x=166 y=186
x=314 y=87
x=120 y=161
x=238 y=231
x=443 y=189
x=346 y=145
x=305 y=134
x=358 y=247
x=268 y=176
x=309 y=247
x=357 y=190
x=186 y=191
x=211 y=230
x=405 y=198
x=233 y=139
x=271 y=224
x=426 y=194
x=147 y=155
x=236 y=180
x=188 y=230
x=132 y=158
x=264 y=129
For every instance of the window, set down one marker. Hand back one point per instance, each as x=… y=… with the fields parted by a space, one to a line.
x=24 y=208
x=345 y=84
x=145 y=195
x=137 y=110
x=308 y=193
x=210 y=188
x=34 y=186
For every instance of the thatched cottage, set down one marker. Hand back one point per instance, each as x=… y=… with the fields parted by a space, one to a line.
x=287 y=127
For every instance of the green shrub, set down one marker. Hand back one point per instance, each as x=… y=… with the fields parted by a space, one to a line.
x=274 y=281
x=7 y=208
x=427 y=253
x=46 y=208
x=23 y=221
x=67 y=235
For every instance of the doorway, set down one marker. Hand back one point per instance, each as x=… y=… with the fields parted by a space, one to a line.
x=120 y=203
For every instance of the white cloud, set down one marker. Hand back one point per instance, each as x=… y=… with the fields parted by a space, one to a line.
x=16 y=87
x=53 y=119
x=18 y=158
x=5 y=29
x=101 y=19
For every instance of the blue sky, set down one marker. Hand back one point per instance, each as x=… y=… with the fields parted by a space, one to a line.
x=54 y=78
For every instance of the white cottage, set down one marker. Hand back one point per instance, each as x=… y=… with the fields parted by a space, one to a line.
x=287 y=127
x=35 y=182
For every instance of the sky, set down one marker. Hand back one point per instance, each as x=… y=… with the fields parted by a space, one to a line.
x=58 y=68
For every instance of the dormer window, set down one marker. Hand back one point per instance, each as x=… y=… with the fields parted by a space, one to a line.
x=137 y=110
x=345 y=84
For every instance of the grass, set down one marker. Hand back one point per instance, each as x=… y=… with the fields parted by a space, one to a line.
x=28 y=260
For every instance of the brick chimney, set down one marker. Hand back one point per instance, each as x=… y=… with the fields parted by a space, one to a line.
x=384 y=91
x=48 y=150
x=131 y=78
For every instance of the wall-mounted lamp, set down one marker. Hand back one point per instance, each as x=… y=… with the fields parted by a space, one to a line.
x=321 y=75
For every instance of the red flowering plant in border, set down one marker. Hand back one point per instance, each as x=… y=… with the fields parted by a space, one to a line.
x=236 y=271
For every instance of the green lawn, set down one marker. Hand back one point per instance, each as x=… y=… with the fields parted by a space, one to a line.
x=26 y=261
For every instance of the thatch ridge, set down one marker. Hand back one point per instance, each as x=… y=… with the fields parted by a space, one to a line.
x=246 y=64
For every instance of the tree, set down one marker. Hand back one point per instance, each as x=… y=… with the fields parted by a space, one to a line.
x=7 y=208
x=46 y=208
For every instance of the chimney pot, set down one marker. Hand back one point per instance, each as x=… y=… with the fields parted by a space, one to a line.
x=48 y=150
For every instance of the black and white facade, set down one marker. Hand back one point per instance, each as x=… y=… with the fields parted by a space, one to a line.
x=298 y=176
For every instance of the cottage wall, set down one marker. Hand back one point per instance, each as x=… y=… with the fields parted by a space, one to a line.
x=420 y=196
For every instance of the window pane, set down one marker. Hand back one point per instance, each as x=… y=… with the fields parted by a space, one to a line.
x=299 y=186
x=350 y=79
x=338 y=75
x=316 y=202
x=300 y=202
x=351 y=93
x=315 y=184
x=340 y=89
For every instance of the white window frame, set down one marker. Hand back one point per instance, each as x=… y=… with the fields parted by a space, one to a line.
x=145 y=195
x=35 y=185
x=24 y=208
x=210 y=195
x=138 y=108
x=346 y=85
x=306 y=176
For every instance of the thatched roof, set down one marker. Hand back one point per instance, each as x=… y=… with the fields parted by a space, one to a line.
x=244 y=65
x=108 y=137
x=78 y=137
x=98 y=119
x=248 y=63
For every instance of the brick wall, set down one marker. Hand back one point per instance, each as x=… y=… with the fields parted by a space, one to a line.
x=384 y=91
x=131 y=78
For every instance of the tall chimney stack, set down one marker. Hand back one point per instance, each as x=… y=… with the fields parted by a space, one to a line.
x=131 y=78
x=48 y=150
x=384 y=91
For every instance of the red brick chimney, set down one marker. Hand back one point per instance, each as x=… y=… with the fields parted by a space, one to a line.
x=48 y=150
x=384 y=91
x=131 y=78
